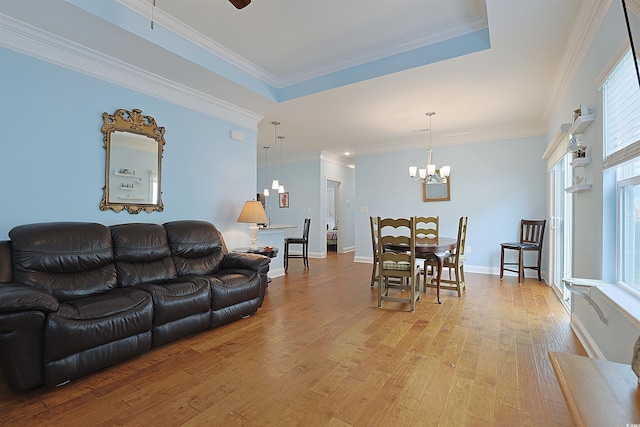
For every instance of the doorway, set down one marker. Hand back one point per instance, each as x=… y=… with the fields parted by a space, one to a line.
x=561 y=229
x=333 y=215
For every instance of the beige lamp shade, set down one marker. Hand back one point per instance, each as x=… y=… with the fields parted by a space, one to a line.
x=253 y=212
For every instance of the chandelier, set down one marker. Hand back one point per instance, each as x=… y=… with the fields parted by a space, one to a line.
x=428 y=175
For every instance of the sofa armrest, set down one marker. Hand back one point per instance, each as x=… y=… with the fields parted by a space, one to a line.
x=241 y=260
x=17 y=297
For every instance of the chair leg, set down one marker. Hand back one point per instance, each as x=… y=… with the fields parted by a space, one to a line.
x=539 y=262
x=286 y=257
x=520 y=269
x=413 y=294
x=373 y=272
x=501 y=262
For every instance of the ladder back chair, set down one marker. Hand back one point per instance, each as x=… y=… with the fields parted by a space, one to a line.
x=396 y=258
x=373 y=222
x=304 y=241
x=531 y=237
x=454 y=261
x=427 y=231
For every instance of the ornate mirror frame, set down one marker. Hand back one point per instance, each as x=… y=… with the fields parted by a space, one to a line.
x=441 y=191
x=132 y=187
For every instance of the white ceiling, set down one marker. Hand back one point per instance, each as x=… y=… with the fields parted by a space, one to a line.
x=279 y=49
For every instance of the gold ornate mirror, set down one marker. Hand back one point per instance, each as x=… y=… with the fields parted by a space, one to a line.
x=434 y=190
x=134 y=145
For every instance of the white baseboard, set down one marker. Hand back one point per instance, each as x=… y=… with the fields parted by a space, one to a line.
x=585 y=339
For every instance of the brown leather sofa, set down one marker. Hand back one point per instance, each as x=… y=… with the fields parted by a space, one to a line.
x=76 y=297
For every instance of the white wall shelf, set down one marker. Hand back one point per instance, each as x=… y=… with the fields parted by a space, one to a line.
x=578 y=188
x=581 y=124
x=580 y=162
x=580 y=159
x=573 y=148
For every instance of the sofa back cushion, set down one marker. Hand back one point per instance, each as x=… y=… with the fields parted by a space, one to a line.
x=70 y=260
x=142 y=254
x=197 y=246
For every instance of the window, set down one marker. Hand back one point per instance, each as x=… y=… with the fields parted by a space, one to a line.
x=621 y=119
x=628 y=195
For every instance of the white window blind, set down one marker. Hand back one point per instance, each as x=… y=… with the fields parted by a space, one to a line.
x=621 y=93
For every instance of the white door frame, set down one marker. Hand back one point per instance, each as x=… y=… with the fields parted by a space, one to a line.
x=338 y=211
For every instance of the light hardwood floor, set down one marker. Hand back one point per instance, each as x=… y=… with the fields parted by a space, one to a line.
x=321 y=353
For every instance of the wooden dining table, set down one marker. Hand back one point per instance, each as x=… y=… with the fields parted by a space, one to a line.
x=428 y=249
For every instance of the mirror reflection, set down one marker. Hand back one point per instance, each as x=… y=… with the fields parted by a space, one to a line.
x=134 y=146
x=435 y=190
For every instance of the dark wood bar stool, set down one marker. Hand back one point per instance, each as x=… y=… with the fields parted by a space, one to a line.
x=304 y=241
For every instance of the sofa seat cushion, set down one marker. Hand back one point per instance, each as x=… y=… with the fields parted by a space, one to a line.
x=233 y=286
x=179 y=298
x=97 y=320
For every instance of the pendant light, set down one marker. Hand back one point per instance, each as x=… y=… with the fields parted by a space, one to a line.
x=275 y=184
x=266 y=167
x=281 y=186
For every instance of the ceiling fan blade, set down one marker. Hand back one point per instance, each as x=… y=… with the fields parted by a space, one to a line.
x=239 y=4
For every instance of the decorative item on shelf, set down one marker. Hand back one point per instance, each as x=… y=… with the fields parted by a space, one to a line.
x=575 y=140
x=584 y=109
x=576 y=114
x=125 y=172
x=275 y=184
x=253 y=213
x=429 y=175
x=577 y=180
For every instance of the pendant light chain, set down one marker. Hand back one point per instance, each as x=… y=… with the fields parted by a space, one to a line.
x=275 y=184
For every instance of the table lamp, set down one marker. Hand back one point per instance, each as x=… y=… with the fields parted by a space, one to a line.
x=254 y=213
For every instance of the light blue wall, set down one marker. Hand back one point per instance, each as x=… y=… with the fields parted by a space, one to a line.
x=302 y=182
x=495 y=184
x=52 y=158
x=305 y=183
x=594 y=210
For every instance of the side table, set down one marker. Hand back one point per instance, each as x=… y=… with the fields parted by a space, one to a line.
x=260 y=250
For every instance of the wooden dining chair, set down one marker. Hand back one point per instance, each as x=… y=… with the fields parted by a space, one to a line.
x=373 y=222
x=397 y=264
x=427 y=230
x=531 y=237
x=304 y=241
x=454 y=261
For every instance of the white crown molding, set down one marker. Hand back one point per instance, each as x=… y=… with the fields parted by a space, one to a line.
x=32 y=41
x=336 y=160
x=587 y=23
x=198 y=39
x=476 y=136
x=393 y=48
x=172 y=24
